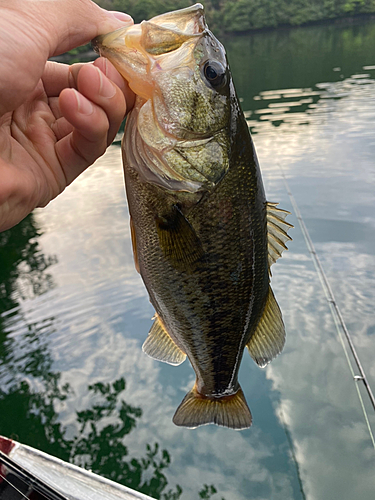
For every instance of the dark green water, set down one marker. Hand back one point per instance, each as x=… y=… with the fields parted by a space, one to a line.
x=74 y=312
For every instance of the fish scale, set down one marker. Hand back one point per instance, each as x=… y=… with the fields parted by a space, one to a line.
x=203 y=235
x=177 y=297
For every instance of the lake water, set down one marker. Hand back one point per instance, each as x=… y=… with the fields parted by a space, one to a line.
x=74 y=312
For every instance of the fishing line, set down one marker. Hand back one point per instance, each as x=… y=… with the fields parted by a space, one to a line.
x=336 y=313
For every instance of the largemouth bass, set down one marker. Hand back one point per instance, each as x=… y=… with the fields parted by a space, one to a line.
x=204 y=237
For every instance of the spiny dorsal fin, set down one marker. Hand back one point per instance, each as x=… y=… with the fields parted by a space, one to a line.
x=178 y=240
x=269 y=337
x=159 y=345
x=228 y=411
x=277 y=229
x=134 y=245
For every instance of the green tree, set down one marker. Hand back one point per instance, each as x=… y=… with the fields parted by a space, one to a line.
x=228 y=16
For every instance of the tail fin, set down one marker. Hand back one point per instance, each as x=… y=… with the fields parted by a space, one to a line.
x=228 y=411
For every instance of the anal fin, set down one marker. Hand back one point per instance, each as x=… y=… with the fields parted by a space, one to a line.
x=227 y=411
x=159 y=345
x=269 y=337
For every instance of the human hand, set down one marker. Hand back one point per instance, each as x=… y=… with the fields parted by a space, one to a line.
x=55 y=119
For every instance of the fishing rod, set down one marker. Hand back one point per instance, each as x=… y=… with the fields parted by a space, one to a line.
x=338 y=318
x=34 y=484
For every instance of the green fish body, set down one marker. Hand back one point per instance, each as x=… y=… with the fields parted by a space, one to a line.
x=203 y=235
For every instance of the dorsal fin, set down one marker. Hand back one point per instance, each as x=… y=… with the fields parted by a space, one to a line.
x=159 y=345
x=277 y=229
x=269 y=337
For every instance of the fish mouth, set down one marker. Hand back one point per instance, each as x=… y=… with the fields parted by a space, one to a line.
x=162 y=61
x=137 y=50
x=189 y=21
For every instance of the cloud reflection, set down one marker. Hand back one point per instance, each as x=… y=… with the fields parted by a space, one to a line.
x=102 y=316
x=319 y=403
x=101 y=313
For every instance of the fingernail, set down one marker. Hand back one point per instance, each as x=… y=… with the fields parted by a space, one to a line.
x=106 y=88
x=84 y=105
x=121 y=16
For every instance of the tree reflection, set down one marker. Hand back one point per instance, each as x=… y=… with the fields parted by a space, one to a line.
x=31 y=391
x=99 y=445
x=207 y=491
x=22 y=267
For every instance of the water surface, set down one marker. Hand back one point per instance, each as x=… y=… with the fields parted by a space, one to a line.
x=74 y=312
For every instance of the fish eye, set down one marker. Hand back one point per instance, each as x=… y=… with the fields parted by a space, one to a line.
x=214 y=73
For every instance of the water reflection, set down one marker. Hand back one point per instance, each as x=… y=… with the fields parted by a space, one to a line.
x=98 y=444
x=298 y=58
x=32 y=394
x=327 y=153
x=310 y=100
x=311 y=107
x=101 y=317
x=23 y=266
x=66 y=353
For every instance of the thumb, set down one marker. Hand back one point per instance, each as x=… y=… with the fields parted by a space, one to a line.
x=71 y=23
x=34 y=30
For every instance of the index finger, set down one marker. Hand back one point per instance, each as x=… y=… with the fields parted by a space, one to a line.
x=58 y=76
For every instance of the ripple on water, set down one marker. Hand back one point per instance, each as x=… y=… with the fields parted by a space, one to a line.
x=307 y=106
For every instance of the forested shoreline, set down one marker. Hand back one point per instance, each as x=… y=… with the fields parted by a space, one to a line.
x=238 y=16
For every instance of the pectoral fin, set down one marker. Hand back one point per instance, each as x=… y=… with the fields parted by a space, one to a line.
x=228 y=411
x=277 y=229
x=178 y=239
x=159 y=345
x=269 y=337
